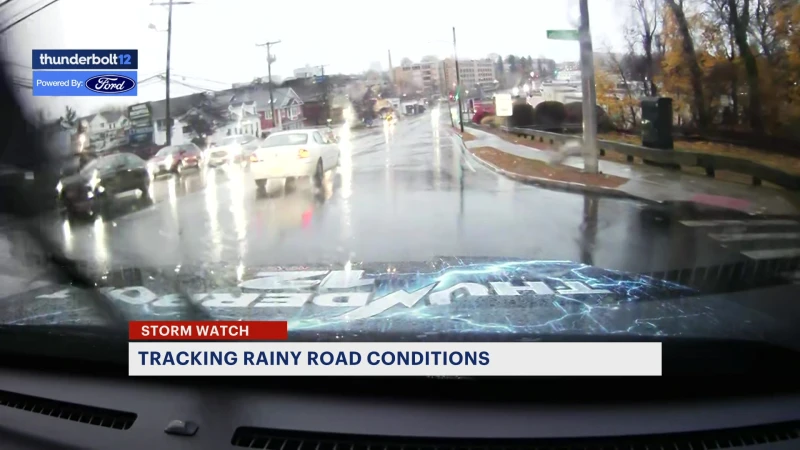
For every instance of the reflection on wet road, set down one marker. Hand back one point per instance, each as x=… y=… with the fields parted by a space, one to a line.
x=402 y=192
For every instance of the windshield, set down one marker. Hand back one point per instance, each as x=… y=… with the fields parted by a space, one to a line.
x=167 y=151
x=442 y=179
x=230 y=141
x=286 y=139
x=101 y=164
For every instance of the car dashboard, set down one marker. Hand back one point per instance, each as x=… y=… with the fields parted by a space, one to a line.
x=41 y=410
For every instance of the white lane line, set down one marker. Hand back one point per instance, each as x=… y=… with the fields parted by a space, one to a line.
x=773 y=254
x=750 y=223
x=734 y=237
x=459 y=144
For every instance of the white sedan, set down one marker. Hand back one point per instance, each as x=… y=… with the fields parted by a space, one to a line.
x=293 y=154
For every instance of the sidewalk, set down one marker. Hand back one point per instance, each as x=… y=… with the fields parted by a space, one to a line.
x=637 y=181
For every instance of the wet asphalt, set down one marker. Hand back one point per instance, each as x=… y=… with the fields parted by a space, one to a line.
x=402 y=193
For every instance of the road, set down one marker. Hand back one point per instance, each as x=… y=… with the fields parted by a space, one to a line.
x=407 y=193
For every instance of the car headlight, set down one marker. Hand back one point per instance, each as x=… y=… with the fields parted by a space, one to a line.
x=94 y=182
x=59 y=187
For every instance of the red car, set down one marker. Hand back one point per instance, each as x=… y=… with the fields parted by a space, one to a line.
x=175 y=159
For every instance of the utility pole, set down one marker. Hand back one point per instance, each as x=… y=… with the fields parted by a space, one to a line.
x=458 y=83
x=270 y=60
x=590 y=163
x=325 y=87
x=168 y=118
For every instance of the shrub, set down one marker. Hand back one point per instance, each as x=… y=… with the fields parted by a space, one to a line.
x=550 y=114
x=574 y=112
x=522 y=115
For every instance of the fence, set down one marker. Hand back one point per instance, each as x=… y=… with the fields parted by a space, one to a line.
x=711 y=163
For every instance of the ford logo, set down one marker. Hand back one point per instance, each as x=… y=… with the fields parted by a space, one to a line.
x=110 y=84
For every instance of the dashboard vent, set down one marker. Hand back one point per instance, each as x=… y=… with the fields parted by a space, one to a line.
x=266 y=439
x=91 y=415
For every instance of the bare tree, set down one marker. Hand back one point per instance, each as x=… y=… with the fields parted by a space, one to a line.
x=741 y=24
x=676 y=7
x=646 y=24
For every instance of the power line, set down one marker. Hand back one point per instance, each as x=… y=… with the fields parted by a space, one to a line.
x=26 y=17
x=5 y=3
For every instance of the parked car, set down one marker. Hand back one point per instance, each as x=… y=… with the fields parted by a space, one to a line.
x=175 y=159
x=231 y=150
x=293 y=154
x=94 y=187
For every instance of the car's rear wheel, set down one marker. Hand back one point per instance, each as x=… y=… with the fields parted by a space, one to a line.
x=319 y=175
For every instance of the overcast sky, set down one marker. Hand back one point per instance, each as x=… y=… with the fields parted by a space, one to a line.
x=214 y=41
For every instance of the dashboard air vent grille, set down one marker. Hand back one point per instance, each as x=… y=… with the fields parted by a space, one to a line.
x=266 y=439
x=91 y=415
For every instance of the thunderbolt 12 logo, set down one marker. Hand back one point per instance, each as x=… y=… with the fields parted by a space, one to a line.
x=338 y=288
x=112 y=59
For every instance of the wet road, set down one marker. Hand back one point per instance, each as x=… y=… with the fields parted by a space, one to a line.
x=404 y=193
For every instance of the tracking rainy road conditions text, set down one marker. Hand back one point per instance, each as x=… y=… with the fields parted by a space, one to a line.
x=312 y=358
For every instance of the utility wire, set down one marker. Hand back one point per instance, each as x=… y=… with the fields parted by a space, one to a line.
x=26 y=17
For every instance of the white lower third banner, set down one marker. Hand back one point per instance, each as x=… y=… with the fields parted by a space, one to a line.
x=394 y=359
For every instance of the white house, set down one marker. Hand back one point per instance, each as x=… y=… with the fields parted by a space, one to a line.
x=107 y=130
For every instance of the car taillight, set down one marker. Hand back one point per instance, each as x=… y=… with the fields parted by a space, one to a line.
x=302 y=153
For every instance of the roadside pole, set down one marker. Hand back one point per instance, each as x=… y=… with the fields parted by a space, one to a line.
x=168 y=116
x=458 y=83
x=589 y=94
x=270 y=60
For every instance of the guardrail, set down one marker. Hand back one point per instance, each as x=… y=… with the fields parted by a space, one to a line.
x=711 y=163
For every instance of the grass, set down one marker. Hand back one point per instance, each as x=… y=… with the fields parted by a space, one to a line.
x=539 y=169
x=783 y=162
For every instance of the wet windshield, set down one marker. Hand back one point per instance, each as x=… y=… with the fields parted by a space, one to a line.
x=496 y=175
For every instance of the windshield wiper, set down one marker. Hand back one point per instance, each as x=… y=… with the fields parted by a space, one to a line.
x=24 y=150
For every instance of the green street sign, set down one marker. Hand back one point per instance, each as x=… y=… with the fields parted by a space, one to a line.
x=563 y=35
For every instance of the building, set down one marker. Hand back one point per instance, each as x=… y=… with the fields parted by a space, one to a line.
x=418 y=78
x=106 y=130
x=308 y=72
x=473 y=72
x=241 y=110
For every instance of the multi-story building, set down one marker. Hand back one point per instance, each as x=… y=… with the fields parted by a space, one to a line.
x=473 y=72
x=422 y=77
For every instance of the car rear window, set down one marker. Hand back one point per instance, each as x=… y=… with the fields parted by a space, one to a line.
x=286 y=139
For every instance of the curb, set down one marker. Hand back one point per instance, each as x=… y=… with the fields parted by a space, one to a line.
x=555 y=184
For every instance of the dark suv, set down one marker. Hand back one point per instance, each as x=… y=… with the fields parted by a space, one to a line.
x=93 y=188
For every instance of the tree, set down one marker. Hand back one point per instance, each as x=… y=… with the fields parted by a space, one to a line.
x=70 y=116
x=683 y=37
x=741 y=23
x=512 y=63
x=499 y=66
x=647 y=22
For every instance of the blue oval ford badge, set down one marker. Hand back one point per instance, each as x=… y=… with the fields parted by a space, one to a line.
x=110 y=84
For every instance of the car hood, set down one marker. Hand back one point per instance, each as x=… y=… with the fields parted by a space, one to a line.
x=506 y=298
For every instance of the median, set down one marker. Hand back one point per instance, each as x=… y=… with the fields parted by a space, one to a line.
x=536 y=170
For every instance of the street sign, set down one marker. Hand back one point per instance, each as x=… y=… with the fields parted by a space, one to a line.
x=320 y=78
x=503 y=105
x=563 y=35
